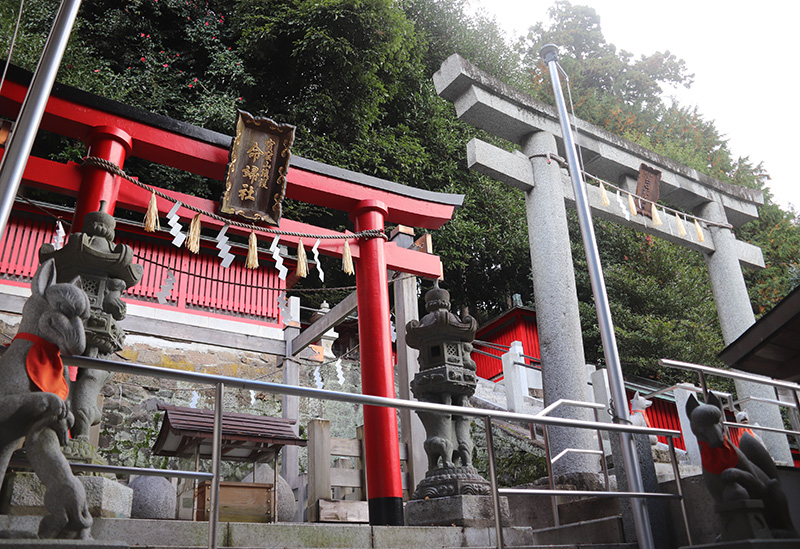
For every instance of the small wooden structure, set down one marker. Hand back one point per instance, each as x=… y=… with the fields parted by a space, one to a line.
x=188 y=433
x=336 y=486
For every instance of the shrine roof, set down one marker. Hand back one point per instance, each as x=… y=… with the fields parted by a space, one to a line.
x=157 y=138
x=771 y=346
x=245 y=437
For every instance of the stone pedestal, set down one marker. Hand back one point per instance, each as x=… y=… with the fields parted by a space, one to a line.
x=743 y=519
x=24 y=495
x=452 y=481
x=470 y=511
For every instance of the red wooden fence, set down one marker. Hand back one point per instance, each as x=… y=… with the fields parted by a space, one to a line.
x=201 y=284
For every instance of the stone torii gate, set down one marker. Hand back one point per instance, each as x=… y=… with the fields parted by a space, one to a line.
x=491 y=105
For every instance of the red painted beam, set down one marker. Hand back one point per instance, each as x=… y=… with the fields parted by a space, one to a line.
x=154 y=144
x=345 y=195
x=157 y=145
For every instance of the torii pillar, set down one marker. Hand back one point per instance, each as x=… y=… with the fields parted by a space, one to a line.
x=491 y=105
x=735 y=317
x=558 y=319
x=99 y=186
x=382 y=453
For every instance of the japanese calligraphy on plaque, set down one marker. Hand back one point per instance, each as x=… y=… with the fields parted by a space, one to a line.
x=647 y=189
x=259 y=159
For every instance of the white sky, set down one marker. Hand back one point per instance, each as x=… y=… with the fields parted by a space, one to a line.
x=744 y=56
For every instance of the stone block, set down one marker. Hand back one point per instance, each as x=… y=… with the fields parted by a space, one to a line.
x=394 y=537
x=465 y=510
x=105 y=497
x=62 y=544
x=156 y=533
x=486 y=537
x=246 y=534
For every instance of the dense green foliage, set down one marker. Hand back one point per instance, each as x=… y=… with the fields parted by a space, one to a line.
x=354 y=76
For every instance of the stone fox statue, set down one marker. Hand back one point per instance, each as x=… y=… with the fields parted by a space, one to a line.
x=743 y=473
x=33 y=392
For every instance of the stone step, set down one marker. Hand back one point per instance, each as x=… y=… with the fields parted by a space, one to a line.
x=584 y=546
x=584 y=509
x=608 y=530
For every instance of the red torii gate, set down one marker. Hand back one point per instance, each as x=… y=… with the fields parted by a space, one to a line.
x=115 y=132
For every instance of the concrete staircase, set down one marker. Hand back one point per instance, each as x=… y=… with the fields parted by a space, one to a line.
x=584 y=522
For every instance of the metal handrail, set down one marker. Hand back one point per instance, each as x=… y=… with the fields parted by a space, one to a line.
x=566 y=402
x=733 y=374
x=703 y=370
x=766 y=401
x=576 y=451
x=760 y=428
x=120 y=470
x=500 y=347
x=221 y=381
x=386 y=402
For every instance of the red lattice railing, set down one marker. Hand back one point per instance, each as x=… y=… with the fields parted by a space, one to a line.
x=200 y=281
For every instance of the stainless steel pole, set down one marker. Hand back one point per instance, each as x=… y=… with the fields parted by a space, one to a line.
x=641 y=520
x=216 y=458
x=498 y=518
x=20 y=143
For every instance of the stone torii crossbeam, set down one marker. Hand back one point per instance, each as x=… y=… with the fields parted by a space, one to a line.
x=491 y=105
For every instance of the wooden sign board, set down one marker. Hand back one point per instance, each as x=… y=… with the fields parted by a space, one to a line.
x=259 y=159
x=647 y=188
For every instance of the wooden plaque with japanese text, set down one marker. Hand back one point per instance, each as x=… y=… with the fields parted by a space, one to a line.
x=647 y=188
x=259 y=159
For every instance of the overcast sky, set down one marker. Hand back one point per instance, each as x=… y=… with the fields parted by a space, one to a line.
x=744 y=56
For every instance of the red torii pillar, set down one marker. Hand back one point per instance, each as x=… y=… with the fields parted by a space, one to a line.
x=382 y=453
x=98 y=185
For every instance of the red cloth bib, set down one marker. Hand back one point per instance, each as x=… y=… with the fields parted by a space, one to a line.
x=44 y=365
x=644 y=415
x=716 y=460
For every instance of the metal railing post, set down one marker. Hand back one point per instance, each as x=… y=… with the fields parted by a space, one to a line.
x=550 y=483
x=603 y=463
x=216 y=457
x=796 y=413
x=679 y=488
x=498 y=518
x=703 y=385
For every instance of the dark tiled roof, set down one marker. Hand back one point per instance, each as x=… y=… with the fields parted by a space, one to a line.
x=771 y=346
x=245 y=437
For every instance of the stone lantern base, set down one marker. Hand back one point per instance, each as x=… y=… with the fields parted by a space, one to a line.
x=451 y=481
x=469 y=511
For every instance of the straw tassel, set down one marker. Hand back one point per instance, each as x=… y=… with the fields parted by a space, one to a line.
x=699 y=230
x=632 y=205
x=151 y=221
x=656 y=217
x=252 y=252
x=681 y=228
x=193 y=240
x=302 y=260
x=347 y=260
x=604 y=196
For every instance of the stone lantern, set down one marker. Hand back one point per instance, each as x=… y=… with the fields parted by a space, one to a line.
x=105 y=270
x=446 y=376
